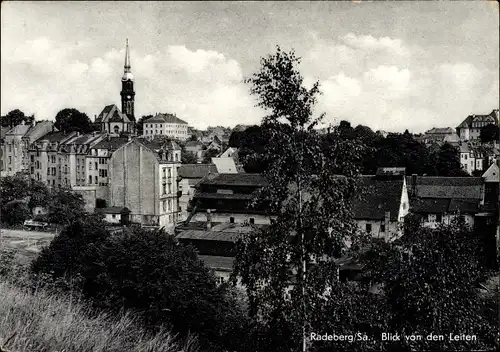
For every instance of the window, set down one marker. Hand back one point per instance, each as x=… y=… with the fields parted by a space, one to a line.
x=95 y=180
x=431 y=217
x=169 y=173
x=439 y=217
x=169 y=208
x=368 y=228
x=90 y=165
x=231 y=220
x=10 y=160
x=465 y=155
x=220 y=280
x=252 y=221
x=164 y=188
x=164 y=205
x=116 y=129
x=113 y=216
x=32 y=158
x=382 y=227
x=170 y=218
x=96 y=167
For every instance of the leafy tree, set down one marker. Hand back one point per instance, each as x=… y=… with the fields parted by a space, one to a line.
x=287 y=268
x=65 y=206
x=445 y=162
x=188 y=158
x=430 y=281
x=147 y=272
x=13 y=188
x=15 y=212
x=70 y=120
x=140 y=124
x=39 y=194
x=252 y=147
x=209 y=154
x=401 y=150
x=14 y=118
x=235 y=138
x=489 y=133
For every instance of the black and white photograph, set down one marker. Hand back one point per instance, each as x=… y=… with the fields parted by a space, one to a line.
x=249 y=176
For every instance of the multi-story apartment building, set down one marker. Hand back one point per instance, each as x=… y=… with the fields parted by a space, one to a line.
x=13 y=150
x=166 y=125
x=72 y=158
x=44 y=157
x=143 y=176
x=470 y=128
x=40 y=129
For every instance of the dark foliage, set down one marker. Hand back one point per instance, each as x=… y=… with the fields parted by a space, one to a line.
x=14 y=118
x=209 y=154
x=147 y=272
x=69 y=120
x=489 y=133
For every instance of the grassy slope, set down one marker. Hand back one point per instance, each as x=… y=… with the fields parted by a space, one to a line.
x=42 y=322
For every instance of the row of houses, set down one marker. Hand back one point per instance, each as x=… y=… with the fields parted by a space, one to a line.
x=218 y=213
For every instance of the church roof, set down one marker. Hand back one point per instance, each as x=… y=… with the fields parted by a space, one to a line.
x=111 y=113
x=165 y=118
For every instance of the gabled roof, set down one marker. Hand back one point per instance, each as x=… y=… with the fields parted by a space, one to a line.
x=158 y=143
x=39 y=126
x=60 y=137
x=111 y=144
x=165 y=118
x=447 y=187
x=111 y=113
x=492 y=116
x=225 y=165
x=19 y=130
x=445 y=205
x=436 y=130
x=252 y=180
x=376 y=197
x=196 y=170
x=217 y=262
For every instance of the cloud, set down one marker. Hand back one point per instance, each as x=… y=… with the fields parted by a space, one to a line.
x=382 y=82
x=203 y=87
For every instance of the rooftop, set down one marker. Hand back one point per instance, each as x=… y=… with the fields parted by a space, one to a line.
x=252 y=180
x=111 y=143
x=196 y=170
x=111 y=113
x=165 y=118
x=376 y=197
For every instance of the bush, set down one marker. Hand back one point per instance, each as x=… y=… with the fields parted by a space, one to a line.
x=146 y=272
x=15 y=212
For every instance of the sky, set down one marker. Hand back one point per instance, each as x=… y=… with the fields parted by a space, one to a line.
x=388 y=65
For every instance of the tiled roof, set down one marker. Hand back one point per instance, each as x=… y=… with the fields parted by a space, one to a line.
x=158 y=143
x=435 y=130
x=256 y=180
x=224 y=196
x=111 y=113
x=111 y=143
x=37 y=127
x=165 y=118
x=56 y=136
x=446 y=181
x=196 y=170
x=218 y=262
x=19 y=130
x=210 y=235
x=375 y=197
x=445 y=205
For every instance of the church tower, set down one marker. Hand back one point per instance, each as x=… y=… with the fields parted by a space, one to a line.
x=127 y=92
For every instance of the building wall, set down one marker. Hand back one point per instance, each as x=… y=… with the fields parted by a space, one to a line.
x=239 y=218
x=113 y=218
x=136 y=182
x=174 y=130
x=90 y=194
x=392 y=231
x=429 y=220
x=13 y=154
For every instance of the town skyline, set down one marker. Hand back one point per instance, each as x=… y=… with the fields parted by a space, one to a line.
x=389 y=76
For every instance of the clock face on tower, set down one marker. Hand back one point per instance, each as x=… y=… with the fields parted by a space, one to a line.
x=128 y=96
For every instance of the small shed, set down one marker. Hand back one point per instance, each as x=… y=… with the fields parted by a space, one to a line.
x=115 y=215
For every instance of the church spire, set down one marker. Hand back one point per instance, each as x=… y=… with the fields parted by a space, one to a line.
x=127 y=59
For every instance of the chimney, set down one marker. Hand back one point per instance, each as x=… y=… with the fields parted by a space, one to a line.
x=209 y=220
